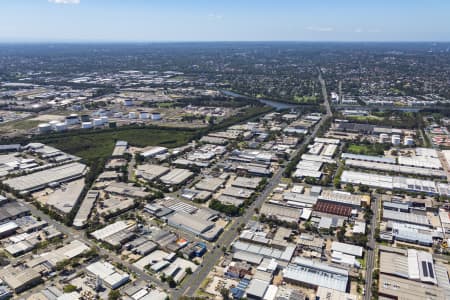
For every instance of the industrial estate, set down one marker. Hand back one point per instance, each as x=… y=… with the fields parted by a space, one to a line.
x=246 y=172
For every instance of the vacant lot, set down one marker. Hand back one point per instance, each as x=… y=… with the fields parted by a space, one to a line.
x=99 y=144
x=364 y=149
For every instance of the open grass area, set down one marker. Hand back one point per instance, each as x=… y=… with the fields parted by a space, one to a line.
x=367 y=149
x=24 y=124
x=93 y=145
x=365 y=118
x=305 y=99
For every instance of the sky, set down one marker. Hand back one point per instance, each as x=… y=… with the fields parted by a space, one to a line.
x=223 y=20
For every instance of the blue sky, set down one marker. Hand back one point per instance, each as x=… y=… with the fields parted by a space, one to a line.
x=224 y=20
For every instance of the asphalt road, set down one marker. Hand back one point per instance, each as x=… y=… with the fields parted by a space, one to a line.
x=193 y=282
x=371 y=250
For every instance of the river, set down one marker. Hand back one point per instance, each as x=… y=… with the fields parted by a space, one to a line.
x=276 y=104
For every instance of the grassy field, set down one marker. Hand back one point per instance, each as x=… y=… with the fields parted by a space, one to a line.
x=372 y=149
x=94 y=145
x=365 y=118
x=305 y=99
x=24 y=124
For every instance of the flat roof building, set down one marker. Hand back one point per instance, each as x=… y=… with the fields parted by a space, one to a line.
x=280 y=212
x=65 y=198
x=402 y=217
x=347 y=248
x=114 y=228
x=154 y=151
x=187 y=222
x=176 y=177
x=209 y=184
x=256 y=289
x=85 y=209
x=20 y=280
x=42 y=179
x=324 y=293
x=237 y=192
x=393 y=287
x=120 y=148
x=151 y=172
x=343 y=198
x=108 y=274
x=314 y=274
x=247 y=182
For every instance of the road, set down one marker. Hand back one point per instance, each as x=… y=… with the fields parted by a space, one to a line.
x=130 y=168
x=371 y=249
x=192 y=283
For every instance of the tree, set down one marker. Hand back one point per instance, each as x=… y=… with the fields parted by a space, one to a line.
x=341 y=234
x=114 y=295
x=225 y=293
x=349 y=188
x=69 y=288
x=363 y=188
x=188 y=271
x=171 y=282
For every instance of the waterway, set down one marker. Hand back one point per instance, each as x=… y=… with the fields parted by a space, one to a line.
x=276 y=104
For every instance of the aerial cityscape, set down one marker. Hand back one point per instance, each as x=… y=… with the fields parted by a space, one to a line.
x=218 y=158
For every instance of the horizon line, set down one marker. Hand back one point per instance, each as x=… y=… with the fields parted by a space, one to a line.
x=213 y=41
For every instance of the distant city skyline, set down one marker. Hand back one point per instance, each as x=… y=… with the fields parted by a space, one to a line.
x=223 y=20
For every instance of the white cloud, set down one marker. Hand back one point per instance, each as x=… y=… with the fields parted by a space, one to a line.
x=64 y=1
x=320 y=29
x=359 y=30
x=215 y=17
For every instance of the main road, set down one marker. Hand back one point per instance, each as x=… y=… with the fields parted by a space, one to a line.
x=371 y=249
x=193 y=282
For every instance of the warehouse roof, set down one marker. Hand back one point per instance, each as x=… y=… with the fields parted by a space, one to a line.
x=16 y=278
x=150 y=172
x=176 y=176
x=209 y=184
x=65 y=198
x=403 y=217
x=406 y=233
x=379 y=159
x=306 y=199
x=324 y=293
x=85 y=208
x=402 y=288
x=247 y=182
x=333 y=208
x=237 y=192
x=347 y=248
x=341 y=197
x=257 y=288
x=7 y=227
x=281 y=212
x=395 y=168
x=184 y=220
x=309 y=165
x=228 y=200
x=248 y=257
x=111 y=229
x=316 y=274
x=41 y=179
x=122 y=188
x=265 y=251
x=153 y=151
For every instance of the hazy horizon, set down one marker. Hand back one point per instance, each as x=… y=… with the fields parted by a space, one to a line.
x=138 y=21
